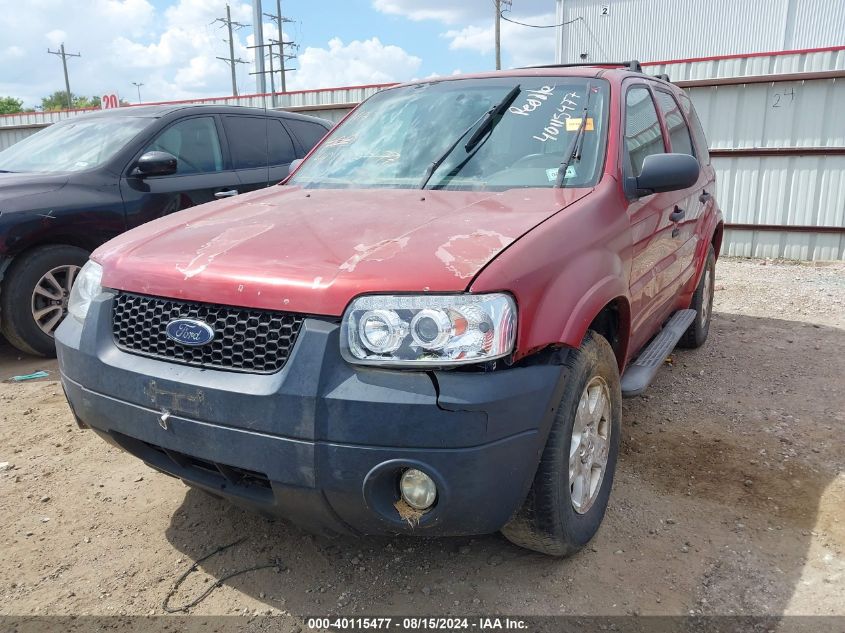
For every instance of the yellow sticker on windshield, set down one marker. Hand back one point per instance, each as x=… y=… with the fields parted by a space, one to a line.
x=572 y=125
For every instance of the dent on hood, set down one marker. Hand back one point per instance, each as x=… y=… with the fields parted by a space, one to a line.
x=465 y=255
x=227 y=240
x=377 y=252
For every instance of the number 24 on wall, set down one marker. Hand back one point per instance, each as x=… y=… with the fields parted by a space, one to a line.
x=779 y=98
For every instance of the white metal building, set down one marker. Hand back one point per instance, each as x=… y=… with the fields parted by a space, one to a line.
x=768 y=80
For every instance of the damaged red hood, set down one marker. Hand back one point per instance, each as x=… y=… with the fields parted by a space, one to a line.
x=311 y=251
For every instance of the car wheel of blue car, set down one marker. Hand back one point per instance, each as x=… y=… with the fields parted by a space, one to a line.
x=35 y=293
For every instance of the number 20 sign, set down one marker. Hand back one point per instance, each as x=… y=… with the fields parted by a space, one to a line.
x=109 y=100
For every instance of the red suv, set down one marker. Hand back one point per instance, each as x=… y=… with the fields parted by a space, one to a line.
x=428 y=328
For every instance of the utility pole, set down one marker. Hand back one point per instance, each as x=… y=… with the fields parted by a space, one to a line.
x=230 y=25
x=559 y=33
x=259 y=54
x=258 y=34
x=138 y=86
x=498 y=5
x=280 y=21
x=61 y=53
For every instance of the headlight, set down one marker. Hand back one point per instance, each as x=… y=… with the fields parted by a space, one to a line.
x=428 y=329
x=85 y=288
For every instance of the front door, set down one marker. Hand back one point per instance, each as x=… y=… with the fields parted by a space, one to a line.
x=655 y=264
x=201 y=172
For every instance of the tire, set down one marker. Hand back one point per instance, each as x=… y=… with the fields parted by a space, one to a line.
x=702 y=303
x=19 y=302
x=549 y=521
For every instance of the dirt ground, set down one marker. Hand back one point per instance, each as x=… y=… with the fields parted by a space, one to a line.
x=729 y=499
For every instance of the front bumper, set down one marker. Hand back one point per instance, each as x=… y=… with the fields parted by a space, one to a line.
x=320 y=442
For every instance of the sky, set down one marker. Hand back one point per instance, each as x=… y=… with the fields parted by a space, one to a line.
x=170 y=46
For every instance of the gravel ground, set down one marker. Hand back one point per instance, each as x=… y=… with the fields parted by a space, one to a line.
x=729 y=499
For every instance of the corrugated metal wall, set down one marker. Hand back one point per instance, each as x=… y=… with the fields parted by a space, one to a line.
x=778 y=146
x=796 y=189
x=746 y=66
x=10 y=136
x=783 y=190
x=783 y=114
x=679 y=29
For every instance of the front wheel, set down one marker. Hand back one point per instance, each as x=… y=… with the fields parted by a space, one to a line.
x=568 y=499
x=35 y=295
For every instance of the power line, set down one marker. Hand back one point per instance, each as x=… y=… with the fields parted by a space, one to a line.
x=537 y=26
x=231 y=26
x=555 y=26
x=61 y=53
x=498 y=33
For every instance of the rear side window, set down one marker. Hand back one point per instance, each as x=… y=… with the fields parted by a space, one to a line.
x=678 y=131
x=643 y=136
x=251 y=138
x=194 y=143
x=308 y=133
x=247 y=141
x=697 y=130
x=280 y=143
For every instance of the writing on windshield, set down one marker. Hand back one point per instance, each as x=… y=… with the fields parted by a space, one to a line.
x=394 y=137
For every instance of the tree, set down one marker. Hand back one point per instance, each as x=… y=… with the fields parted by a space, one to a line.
x=58 y=101
x=10 y=105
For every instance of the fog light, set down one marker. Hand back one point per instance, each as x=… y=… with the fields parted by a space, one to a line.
x=418 y=489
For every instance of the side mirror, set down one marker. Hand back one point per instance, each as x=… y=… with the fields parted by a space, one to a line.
x=155 y=164
x=667 y=172
x=294 y=165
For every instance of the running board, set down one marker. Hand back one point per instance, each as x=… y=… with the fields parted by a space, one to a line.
x=641 y=372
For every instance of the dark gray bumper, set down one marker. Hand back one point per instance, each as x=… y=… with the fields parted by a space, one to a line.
x=320 y=442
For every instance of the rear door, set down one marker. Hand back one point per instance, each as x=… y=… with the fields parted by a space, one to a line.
x=686 y=202
x=261 y=149
x=202 y=172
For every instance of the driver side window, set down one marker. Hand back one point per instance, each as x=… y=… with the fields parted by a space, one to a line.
x=194 y=143
x=643 y=136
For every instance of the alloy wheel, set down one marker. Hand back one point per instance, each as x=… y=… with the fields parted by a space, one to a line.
x=50 y=297
x=590 y=444
x=707 y=296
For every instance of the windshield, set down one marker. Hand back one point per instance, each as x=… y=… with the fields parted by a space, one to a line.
x=72 y=145
x=396 y=135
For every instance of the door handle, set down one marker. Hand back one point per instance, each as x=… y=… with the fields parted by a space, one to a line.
x=704 y=197
x=226 y=193
x=677 y=215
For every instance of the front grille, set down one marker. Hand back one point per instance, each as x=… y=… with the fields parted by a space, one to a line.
x=245 y=340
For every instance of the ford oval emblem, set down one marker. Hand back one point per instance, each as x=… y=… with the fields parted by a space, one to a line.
x=189 y=332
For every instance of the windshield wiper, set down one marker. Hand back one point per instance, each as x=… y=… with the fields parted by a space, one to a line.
x=486 y=122
x=575 y=147
x=6 y=171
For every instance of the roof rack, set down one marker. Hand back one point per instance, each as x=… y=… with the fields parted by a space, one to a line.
x=663 y=76
x=632 y=65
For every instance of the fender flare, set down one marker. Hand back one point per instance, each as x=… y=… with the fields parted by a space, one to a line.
x=607 y=289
